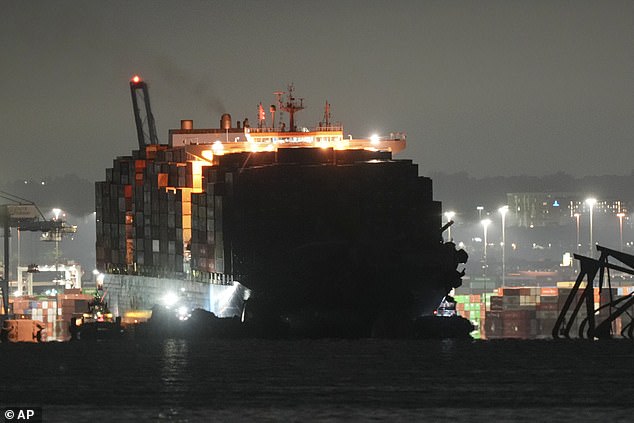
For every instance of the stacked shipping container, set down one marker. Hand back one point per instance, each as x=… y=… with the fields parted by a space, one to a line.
x=527 y=312
x=142 y=212
x=54 y=312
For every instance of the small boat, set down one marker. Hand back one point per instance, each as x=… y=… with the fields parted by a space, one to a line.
x=444 y=323
x=97 y=323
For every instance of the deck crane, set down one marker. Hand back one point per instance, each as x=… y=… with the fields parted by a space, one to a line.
x=24 y=215
x=145 y=125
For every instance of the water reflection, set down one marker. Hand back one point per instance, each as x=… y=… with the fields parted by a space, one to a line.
x=174 y=364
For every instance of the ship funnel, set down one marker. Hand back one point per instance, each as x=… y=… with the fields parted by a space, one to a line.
x=225 y=121
x=187 y=124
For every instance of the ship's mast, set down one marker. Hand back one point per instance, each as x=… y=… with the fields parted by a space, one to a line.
x=291 y=106
x=326 y=121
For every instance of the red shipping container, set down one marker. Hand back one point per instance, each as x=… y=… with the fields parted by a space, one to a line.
x=549 y=291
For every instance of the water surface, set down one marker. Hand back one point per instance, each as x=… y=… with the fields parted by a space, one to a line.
x=322 y=380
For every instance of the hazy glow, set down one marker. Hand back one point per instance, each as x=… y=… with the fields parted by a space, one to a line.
x=218 y=148
x=374 y=139
x=100 y=278
x=169 y=299
x=197 y=176
x=208 y=155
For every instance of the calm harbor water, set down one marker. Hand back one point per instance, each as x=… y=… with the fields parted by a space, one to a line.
x=322 y=380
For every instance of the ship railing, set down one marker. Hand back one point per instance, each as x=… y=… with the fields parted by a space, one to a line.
x=397 y=136
x=330 y=128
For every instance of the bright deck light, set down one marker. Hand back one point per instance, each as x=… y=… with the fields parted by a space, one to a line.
x=169 y=299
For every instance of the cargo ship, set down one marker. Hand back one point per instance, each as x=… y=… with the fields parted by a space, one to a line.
x=274 y=222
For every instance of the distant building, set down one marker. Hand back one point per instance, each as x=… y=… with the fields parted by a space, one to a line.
x=542 y=209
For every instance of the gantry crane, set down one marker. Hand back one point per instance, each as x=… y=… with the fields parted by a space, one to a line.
x=25 y=215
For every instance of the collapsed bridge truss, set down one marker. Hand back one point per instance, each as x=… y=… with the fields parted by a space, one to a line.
x=598 y=322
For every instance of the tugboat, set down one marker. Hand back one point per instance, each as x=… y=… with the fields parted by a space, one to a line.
x=97 y=323
x=444 y=323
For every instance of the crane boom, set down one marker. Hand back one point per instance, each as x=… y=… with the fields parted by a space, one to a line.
x=144 y=120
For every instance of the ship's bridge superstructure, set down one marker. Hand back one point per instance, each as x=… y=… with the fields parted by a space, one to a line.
x=245 y=139
x=262 y=137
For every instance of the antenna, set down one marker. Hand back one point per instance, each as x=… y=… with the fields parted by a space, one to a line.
x=291 y=106
x=327 y=114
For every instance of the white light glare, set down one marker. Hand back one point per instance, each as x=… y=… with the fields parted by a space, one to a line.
x=169 y=299
x=374 y=139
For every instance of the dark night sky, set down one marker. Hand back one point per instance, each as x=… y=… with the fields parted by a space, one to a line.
x=490 y=87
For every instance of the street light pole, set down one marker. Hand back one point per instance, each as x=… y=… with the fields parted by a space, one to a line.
x=591 y=202
x=577 y=216
x=503 y=210
x=449 y=215
x=485 y=224
x=56 y=213
x=621 y=215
